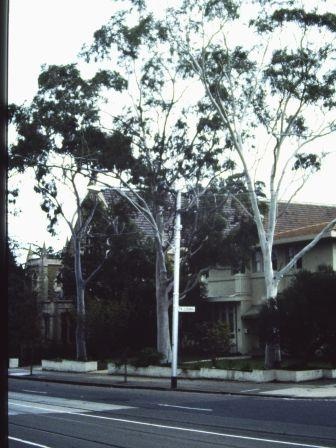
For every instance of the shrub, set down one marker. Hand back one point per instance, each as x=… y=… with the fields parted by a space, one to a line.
x=112 y=326
x=246 y=367
x=306 y=316
x=147 y=357
x=215 y=338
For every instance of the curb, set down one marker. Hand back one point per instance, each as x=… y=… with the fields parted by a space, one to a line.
x=139 y=387
x=86 y=383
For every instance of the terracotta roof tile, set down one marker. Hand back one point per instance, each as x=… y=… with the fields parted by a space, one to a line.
x=294 y=219
x=295 y=216
x=313 y=229
x=112 y=195
x=142 y=223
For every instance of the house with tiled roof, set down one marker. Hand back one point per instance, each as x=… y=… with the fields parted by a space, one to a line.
x=55 y=310
x=237 y=297
x=227 y=208
x=110 y=196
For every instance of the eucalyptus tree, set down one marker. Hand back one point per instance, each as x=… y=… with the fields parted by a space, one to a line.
x=121 y=298
x=268 y=71
x=60 y=140
x=173 y=138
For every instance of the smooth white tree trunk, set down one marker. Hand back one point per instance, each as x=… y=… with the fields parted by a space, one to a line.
x=81 y=352
x=272 y=347
x=163 y=343
x=163 y=330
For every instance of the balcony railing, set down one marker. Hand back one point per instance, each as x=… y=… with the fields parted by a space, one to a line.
x=228 y=287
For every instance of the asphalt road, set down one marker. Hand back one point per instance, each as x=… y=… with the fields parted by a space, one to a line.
x=63 y=416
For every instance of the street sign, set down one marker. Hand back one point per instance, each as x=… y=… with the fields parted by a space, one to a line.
x=186 y=309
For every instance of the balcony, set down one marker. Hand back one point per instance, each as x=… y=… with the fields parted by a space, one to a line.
x=223 y=287
x=242 y=284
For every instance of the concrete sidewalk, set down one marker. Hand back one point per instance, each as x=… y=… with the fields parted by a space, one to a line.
x=319 y=389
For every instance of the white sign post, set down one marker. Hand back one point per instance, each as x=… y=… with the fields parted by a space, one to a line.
x=176 y=293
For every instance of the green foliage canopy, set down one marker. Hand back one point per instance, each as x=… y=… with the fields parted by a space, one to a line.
x=305 y=316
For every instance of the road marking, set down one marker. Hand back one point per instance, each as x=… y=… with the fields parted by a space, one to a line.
x=249 y=390
x=77 y=405
x=184 y=407
x=306 y=392
x=34 y=391
x=19 y=374
x=178 y=428
x=27 y=442
x=39 y=409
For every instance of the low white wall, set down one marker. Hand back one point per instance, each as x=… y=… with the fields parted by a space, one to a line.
x=165 y=372
x=298 y=375
x=257 y=376
x=66 y=365
x=13 y=363
x=155 y=371
x=329 y=373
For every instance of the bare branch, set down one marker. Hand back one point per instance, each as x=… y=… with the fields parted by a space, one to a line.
x=309 y=246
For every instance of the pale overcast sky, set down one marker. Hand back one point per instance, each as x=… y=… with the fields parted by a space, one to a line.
x=53 y=32
x=44 y=32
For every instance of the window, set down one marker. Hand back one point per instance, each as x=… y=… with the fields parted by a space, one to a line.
x=34 y=280
x=257 y=262
x=275 y=260
x=230 y=318
x=58 y=291
x=299 y=264
x=234 y=270
x=66 y=328
x=227 y=313
x=46 y=321
x=238 y=269
x=290 y=253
